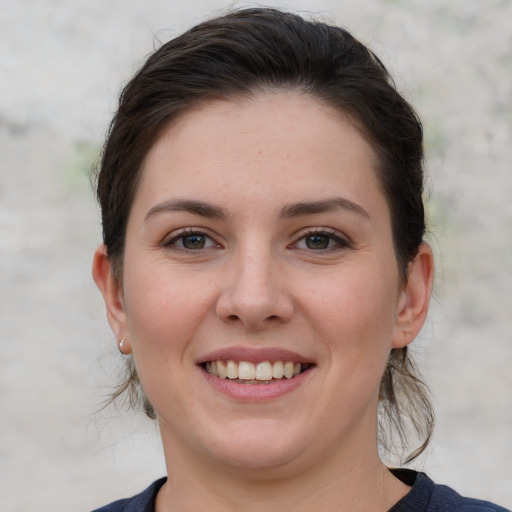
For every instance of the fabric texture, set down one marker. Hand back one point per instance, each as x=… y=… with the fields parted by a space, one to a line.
x=424 y=496
x=143 y=502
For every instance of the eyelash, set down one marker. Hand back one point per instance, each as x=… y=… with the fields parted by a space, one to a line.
x=171 y=243
x=330 y=234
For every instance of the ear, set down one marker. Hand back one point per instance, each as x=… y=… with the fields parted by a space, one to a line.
x=112 y=295
x=415 y=298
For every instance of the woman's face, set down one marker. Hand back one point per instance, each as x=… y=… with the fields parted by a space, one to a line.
x=259 y=236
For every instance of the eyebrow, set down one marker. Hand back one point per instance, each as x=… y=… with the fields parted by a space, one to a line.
x=323 y=206
x=187 y=205
x=211 y=211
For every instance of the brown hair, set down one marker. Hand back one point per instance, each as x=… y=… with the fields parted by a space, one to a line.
x=251 y=50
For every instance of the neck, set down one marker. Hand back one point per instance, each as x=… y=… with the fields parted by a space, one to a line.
x=347 y=480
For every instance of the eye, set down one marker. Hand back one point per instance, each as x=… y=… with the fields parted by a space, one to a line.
x=191 y=240
x=318 y=241
x=321 y=240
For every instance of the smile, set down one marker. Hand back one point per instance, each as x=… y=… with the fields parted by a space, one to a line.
x=245 y=372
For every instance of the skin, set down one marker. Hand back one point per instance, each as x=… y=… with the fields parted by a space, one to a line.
x=260 y=282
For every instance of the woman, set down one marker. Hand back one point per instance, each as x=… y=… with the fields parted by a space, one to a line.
x=264 y=269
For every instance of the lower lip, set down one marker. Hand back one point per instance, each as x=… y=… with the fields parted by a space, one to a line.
x=256 y=392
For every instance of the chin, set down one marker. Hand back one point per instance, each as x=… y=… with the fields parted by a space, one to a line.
x=258 y=445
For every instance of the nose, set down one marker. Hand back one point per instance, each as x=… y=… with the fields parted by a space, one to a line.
x=254 y=292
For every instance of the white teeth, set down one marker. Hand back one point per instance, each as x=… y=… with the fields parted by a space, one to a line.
x=221 y=368
x=232 y=370
x=246 y=371
x=288 y=369
x=278 y=370
x=263 y=371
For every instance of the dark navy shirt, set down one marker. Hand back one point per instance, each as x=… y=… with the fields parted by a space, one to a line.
x=424 y=496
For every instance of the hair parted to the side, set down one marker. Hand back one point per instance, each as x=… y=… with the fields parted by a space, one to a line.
x=247 y=52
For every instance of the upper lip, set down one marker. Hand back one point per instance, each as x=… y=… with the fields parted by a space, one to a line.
x=254 y=355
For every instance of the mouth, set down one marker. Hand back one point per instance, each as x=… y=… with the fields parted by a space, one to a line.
x=263 y=372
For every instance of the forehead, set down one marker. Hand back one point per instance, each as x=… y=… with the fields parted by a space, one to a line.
x=273 y=139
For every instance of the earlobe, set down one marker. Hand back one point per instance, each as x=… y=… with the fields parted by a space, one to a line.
x=415 y=298
x=111 y=291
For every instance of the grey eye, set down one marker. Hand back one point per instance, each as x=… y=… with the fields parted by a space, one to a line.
x=196 y=241
x=318 y=241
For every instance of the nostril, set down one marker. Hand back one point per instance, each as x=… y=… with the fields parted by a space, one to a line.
x=232 y=317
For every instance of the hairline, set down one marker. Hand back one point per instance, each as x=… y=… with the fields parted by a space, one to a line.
x=344 y=115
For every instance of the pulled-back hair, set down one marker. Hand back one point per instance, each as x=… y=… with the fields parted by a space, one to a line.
x=247 y=52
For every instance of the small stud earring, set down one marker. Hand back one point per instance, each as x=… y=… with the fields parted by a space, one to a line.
x=120 y=345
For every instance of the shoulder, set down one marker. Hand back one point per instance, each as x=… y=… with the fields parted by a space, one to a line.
x=143 y=502
x=426 y=496
x=445 y=498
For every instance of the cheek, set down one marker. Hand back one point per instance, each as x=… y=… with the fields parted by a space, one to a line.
x=164 y=313
x=163 y=307
x=356 y=305
x=354 y=317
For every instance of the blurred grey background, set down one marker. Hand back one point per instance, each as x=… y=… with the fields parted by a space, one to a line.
x=61 y=67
